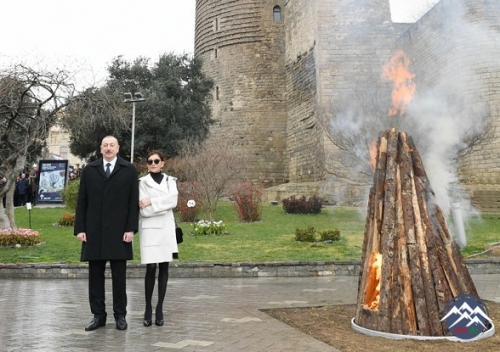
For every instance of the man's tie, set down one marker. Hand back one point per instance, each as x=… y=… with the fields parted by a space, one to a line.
x=108 y=171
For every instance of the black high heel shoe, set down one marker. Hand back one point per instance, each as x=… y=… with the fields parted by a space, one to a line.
x=159 y=317
x=147 y=317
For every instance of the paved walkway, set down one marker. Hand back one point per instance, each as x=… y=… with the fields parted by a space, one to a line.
x=209 y=315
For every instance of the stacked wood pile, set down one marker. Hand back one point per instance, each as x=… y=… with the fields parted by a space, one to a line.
x=420 y=266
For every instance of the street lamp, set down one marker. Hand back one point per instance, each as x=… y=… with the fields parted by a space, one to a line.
x=133 y=98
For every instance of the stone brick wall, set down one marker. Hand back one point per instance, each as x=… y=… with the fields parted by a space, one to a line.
x=213 y=270
x=279 y=84
x=304 y=147
x=243 y=51
x=354 y=40
x=455 y=47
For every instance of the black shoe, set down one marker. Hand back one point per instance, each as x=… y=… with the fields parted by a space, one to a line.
x=147 y=316
x=159 y=316
x=121 y=323
x=95 y=324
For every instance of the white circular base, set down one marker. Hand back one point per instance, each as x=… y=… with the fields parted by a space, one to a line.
x=389 y=335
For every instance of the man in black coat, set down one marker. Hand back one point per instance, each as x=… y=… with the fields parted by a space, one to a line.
x=22 y=189
x=106 y=219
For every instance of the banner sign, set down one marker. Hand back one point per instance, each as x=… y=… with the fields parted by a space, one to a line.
x=53 y=179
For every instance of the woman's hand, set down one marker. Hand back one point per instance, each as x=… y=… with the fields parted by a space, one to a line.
x=143 y=203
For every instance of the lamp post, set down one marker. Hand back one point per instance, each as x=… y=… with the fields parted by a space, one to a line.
x=133 y=98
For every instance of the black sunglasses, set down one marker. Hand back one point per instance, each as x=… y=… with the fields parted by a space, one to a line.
x=156 y=161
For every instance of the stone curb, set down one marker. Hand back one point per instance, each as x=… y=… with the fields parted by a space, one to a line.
x=219 y=270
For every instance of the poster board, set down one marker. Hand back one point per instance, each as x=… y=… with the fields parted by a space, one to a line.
x=53 y=178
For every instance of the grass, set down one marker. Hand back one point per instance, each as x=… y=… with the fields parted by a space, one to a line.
x=271 y=239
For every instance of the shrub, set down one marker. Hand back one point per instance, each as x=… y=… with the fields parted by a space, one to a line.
x=187 y=213
x=329 y=235
x=187 y=192
x=206 y=228
x=23 y=237
x=70 y=194
x=67 y=220
x=311 y=235
x=305 y=235
x=247 y=202
x=302 y=205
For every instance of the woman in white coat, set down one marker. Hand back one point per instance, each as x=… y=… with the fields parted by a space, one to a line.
x=157 y=198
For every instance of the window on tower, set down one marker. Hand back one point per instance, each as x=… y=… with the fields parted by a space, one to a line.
x=277 y=13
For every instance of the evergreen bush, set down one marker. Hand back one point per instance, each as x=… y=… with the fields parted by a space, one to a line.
x=329 y=235
x=311 y=235
x=70 y=194
x=305 y=235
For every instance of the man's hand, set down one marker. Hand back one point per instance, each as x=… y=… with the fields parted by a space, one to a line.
x=82 y=236
x=128 y=236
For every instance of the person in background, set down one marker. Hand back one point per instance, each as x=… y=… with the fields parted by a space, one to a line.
x=34 y=177
x=157 y=198
x=3 y=182
x=16 y=196
x=23 y=189
x=106 y=219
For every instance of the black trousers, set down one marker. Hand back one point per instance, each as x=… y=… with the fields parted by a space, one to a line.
x=97 y=283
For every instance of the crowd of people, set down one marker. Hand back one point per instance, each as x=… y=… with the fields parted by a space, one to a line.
x=27 y=186
x=25 y=189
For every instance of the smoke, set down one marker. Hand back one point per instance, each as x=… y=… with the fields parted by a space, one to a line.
x=452 y=115
x=448 y=114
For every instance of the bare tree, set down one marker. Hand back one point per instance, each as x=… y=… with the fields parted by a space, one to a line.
x=30 y=101
x=351 y=124
x=212 y=166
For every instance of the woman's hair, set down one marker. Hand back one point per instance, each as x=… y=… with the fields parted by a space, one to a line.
x=153 y=152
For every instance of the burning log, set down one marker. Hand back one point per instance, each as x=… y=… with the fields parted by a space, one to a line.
x=410 y=266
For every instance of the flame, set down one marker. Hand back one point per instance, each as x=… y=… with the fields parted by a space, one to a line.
x=373 y=154
x=372 y=292
x=396 y=70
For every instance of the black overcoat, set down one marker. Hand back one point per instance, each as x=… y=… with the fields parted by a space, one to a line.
x=106 y=209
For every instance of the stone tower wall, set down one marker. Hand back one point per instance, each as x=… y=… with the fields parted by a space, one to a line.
x=242 y=48
x=329 y=52
x=456 y=45
x=304 y=137
x=275 y=81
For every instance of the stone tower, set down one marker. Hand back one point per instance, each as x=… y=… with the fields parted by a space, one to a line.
x=242 y=44
x=278 y=66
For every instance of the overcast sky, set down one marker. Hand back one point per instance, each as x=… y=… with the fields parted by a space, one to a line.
x=85 y=35
x=88 y=34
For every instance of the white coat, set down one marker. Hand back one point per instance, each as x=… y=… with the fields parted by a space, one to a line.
x=157 y=223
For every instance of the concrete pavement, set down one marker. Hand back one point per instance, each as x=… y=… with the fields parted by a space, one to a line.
x=201 y=314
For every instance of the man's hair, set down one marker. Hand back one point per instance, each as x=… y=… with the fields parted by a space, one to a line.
x=111 y=137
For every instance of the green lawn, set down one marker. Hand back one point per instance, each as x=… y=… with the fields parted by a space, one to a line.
x=269 y=240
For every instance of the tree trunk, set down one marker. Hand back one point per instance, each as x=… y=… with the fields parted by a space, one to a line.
x=9 y=208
